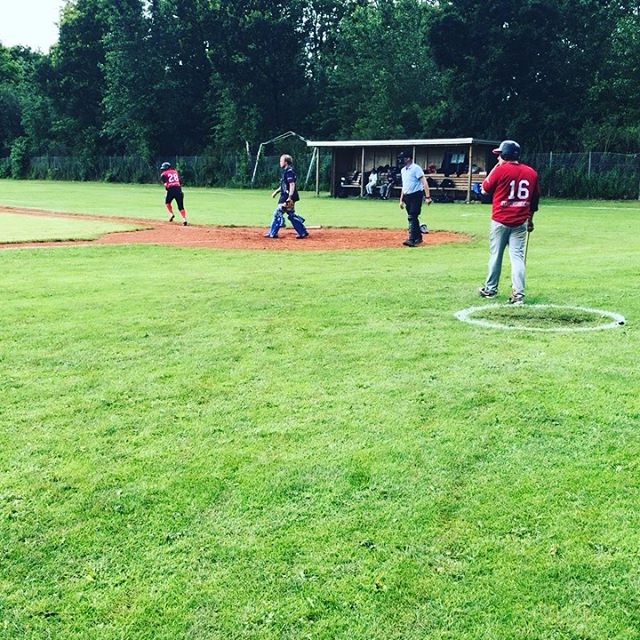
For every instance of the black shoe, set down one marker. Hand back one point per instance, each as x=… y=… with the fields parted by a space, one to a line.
x=184 y=224
x=268 y=235
x=302 y=236
x=516 y=298
x=412 y=243
x=486 y=293
x=171 y=218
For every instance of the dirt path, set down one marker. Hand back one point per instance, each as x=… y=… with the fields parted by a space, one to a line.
x=219 y=237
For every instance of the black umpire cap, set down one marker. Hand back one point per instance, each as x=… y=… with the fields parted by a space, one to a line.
x=404 y=154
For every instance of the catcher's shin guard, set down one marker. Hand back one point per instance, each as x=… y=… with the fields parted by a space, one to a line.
x=297 y=222
x=276 y=223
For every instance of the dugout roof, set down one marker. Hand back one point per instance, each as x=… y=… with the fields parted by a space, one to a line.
x=418 y=142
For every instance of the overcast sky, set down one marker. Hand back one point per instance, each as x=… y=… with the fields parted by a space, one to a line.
x=31 y=23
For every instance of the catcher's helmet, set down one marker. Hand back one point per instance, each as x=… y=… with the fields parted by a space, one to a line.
x=165 y=165
x=508 y=150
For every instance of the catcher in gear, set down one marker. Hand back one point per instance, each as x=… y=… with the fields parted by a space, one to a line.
x=286 y=203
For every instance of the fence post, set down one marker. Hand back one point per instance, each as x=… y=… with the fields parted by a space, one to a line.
x=589 y=167
x=550 y=166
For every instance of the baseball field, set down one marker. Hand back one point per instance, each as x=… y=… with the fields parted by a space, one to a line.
x=254 y=443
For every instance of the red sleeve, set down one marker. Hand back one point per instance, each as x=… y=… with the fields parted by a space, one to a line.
x=488 y=184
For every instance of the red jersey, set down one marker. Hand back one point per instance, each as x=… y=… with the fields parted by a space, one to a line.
x=170 y=177
x=515 y=191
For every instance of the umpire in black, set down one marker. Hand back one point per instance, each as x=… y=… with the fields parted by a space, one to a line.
x=414 y=187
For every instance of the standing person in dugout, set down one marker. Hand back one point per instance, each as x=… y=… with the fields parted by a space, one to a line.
x=286 y=203
x=414 y=187
x=171 y=179
x=515 y=197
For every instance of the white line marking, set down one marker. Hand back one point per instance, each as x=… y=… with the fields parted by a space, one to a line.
x=465 y=316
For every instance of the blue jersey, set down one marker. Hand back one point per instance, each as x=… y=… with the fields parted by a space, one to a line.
x=287 y=176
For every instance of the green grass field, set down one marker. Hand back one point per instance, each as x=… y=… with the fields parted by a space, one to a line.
x=213 y=444
x=21 y=228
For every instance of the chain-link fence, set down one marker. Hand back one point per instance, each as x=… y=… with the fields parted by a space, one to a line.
x=613 y=176
x=590 y=174
x=228 y=170
x=102 y=168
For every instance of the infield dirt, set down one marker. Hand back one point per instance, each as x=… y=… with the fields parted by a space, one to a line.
x=232 y=237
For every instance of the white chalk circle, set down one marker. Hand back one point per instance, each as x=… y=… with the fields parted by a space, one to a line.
x=518 y=313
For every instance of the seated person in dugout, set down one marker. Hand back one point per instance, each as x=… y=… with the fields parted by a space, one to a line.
x=387 y=187
x=373 y=181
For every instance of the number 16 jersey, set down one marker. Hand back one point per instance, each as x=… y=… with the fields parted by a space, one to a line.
x=515 y=192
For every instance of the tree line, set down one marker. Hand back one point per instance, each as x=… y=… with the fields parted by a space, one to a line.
x=167 y=77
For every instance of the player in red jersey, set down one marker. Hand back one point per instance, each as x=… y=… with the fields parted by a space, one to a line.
x=171 y=179
x=515 y=196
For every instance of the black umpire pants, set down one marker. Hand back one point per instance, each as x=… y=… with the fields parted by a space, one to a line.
x=413 y=203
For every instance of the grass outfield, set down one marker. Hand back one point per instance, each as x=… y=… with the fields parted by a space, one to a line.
x=21 y=228
x=217 y=444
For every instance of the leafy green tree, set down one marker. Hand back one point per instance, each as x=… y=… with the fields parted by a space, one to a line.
x=10 y=108
x=167 y=77
x=382 y=81
x=25 y=109
x=132 y=74
x=257 y=52
x=37 y=111
x=522 y=68
x=77 y=83
x=321 y=31
x=179 y=42
x=19 y=158
x=613 y=121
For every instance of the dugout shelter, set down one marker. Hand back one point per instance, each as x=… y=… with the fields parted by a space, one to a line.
x=454 y=166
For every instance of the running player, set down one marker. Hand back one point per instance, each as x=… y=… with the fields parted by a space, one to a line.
x=171 y=179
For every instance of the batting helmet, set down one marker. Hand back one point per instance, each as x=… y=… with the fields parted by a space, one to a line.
x=508 y=150
x=165 y=165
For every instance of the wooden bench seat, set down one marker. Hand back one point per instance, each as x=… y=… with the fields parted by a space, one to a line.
x=351 y=181
x=460 y=183
x=455 y=187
